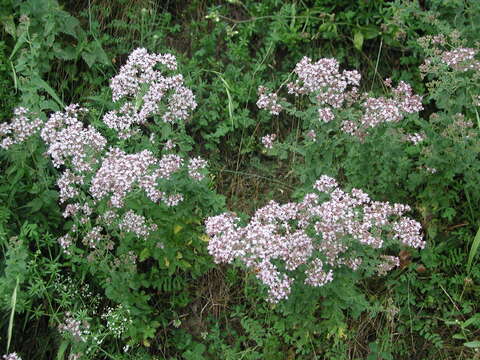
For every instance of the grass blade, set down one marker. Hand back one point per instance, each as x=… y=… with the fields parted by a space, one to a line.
x=12 y=313
x=473 y=250
x=229 y=95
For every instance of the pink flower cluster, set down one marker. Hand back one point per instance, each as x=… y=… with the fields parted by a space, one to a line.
x=335 y=89
x=415 y=138
x=69 y=142
x=321 y=234
x=458 y=59
x=268 y=140
x=326 y=114
x=324 y=80
x=142 y=90
x=268 y=101
x=90 y=174
x=77 y=329
x=65 y=243
x=461 y=59
x=19 y=129
x=381 y=110
x=136 y=224
x=387 y=264
x=94 y=237
x=120 y=173
x=195 y=168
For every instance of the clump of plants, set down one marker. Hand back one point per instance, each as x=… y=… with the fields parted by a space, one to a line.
x=127 y=189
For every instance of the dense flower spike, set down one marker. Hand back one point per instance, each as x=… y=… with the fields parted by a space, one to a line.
x=323 y=235
x=142 y=90
x=19 y=129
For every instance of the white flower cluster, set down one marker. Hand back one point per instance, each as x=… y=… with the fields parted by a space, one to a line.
x=118 y=319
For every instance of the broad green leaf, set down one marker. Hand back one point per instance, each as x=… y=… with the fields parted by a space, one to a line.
x=42 y=84
x=21 y=40
x=472 y=344
x=358 y=40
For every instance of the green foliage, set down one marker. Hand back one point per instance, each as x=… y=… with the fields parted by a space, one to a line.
x=174 y=303
x=8 y=98
x=41 y=34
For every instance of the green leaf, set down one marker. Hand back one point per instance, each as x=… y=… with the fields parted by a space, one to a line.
x=70 y=25
x=144 y=254
x=21 y=40
x=35 y=205
x=62 y=349
x=9 y=26
x=102 y=56
x=370 y=32
x=474 y=319
x=43 y=85
x=177 y=228
x=89 y=57
x=66 y=53
x=358 y=40
x=472 y=344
